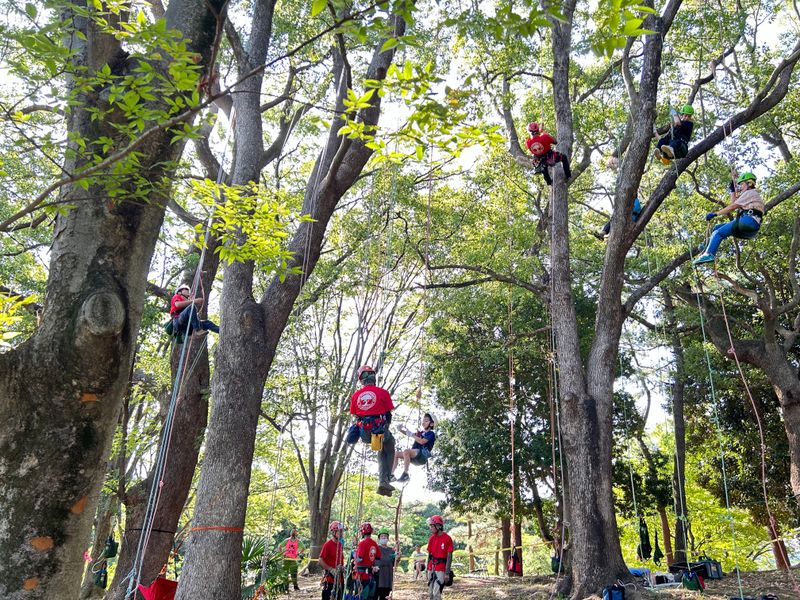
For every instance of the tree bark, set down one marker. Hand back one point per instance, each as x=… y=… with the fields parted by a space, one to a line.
x=251 y=333
x=778 y=547
x=505 y=541
x=61 y=391
x=666 y=535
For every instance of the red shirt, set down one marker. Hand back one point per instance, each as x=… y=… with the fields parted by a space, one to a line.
x=539 y=145
x=332 y=553
x=370 y=400
x=174 y=310
x=439 y=546
x=366 y=553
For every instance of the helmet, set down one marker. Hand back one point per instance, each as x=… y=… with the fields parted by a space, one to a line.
x=383 y=531
x=362 y=370
x=436 y=520
x=336 y=526
x=533 y=127
x=366 y=529
x=687 y=109
x=430 y=416
x=746 y=177
x=182 y=286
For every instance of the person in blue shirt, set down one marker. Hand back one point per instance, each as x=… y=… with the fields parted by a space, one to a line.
x=420 y=450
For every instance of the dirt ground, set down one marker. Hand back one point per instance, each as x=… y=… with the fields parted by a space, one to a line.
x=499 y=588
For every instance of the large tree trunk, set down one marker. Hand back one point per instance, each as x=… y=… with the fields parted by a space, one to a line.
x=250 y=334
x=61 y=391
x=666 y=535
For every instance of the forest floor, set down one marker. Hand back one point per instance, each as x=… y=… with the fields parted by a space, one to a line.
x=754 y=584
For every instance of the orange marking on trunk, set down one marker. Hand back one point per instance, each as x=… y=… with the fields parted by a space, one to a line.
x=42 y=543
x=31 y=583
x=79 y=506
x=88 y=397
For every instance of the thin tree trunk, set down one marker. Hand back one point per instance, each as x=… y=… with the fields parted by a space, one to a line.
x=666 y=535
x=106 y=509
x=679 y=426
x=61 y=391
x=505 y=541
x=778 y=547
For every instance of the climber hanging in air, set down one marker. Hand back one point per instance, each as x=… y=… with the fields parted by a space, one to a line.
x=372 y=407
x=420 y=450
x=747 y=201
x=675 y=144
x=540 y=143
x=183 y=313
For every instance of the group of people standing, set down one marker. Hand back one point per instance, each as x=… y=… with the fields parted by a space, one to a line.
x=369 y=574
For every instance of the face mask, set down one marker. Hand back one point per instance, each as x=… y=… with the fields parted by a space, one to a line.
x=383 y=541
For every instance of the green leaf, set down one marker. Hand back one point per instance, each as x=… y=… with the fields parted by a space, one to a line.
x=318 y=6
x=30 y=10
x=389 y=44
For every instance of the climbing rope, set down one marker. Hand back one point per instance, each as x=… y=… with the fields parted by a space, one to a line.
x=134 y=576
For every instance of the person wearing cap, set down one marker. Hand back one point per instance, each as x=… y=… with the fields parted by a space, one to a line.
x=675 y=144
x=440 y=557
x=292 y=551
x=183 y=312
x=367 y=552
x=385 y=565
x=372 y=406
x=747 y=201
x=540 y=144
x=420 y=450
x=331 y=559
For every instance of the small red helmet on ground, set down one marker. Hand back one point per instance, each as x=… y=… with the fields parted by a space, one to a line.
x=366 y=529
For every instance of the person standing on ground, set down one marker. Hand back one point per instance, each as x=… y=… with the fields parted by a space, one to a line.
x=292 y=551
x=419 y=558
x=386 y=565
x=440 y=557
x=331 y=559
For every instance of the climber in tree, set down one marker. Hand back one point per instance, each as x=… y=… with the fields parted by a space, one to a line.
x=746 y=200
x=372 y=406
x=540 y=143
x=183 y=311
x=420 y=450
x=675 y=144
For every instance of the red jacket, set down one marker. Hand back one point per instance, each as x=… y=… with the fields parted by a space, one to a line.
x=539 y=145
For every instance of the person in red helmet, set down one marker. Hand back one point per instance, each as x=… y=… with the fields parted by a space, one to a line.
x=440 y=557
x=372 y=407
x=331 y=559
x=540 y=144
x=367 y=553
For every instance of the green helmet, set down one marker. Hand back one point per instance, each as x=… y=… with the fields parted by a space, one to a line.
x=383 y=531
x=746 y=177
x=687 y=109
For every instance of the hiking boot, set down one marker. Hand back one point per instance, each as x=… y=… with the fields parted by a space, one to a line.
x=404 y=477
x=658 y=155
x=668 y=151
x=705 y=258
x=385 y=489
x=599 y=235
x=392 y=477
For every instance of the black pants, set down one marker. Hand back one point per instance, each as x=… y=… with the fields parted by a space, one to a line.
x=679 y=147
x=550 y=160
x=383 y=593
